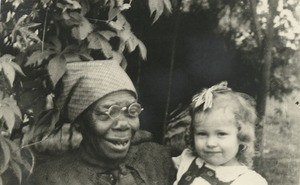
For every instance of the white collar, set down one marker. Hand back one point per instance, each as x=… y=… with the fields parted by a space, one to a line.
x=224 y=173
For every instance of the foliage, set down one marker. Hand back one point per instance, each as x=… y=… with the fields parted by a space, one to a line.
x=236 y=23
x=247 y=34
x=11 y=159
x=10 y=118
x=42 y=37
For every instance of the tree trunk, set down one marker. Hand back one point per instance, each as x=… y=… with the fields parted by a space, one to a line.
x=264 y=86
x=172 y=61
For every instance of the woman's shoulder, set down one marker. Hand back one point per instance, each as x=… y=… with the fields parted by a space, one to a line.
x=143 y=144
x=55 y=169
x=153 y=161
x=149 y=150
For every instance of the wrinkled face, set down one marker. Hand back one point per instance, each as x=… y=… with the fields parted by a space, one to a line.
x=110 y=137
x=215 y=137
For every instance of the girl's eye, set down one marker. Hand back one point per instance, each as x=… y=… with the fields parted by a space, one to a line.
x=201 y=133
x=222 y=134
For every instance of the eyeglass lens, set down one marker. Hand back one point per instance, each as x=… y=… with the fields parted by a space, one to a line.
x=133 y=110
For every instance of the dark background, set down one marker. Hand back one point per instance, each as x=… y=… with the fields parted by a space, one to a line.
x=202 y=58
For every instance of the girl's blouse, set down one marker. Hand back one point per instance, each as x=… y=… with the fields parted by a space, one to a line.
x=240 y=175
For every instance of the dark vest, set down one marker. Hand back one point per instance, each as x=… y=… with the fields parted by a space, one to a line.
x=194 y=171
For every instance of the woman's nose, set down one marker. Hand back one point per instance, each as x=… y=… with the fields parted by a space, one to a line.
x=121 y=123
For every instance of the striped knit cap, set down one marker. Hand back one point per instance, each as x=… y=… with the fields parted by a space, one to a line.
x=86 y=82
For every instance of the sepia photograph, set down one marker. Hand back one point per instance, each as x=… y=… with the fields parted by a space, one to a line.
x=149 y=92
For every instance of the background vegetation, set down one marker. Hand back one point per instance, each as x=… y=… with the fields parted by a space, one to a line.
x=196 y=43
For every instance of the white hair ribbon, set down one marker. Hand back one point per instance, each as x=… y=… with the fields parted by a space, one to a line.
x=206 y=96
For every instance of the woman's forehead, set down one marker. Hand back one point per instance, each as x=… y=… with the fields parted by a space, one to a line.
x=119 y=97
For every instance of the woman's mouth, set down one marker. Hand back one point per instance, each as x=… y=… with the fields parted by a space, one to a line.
x=118 y=144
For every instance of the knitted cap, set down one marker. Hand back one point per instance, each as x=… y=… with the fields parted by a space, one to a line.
x=86 y=82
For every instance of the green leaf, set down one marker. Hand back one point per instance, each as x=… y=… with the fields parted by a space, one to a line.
x=16 y=157
x=122 y=47
x=83 y=30
x=132 y=43
x=125 y=35
x=70 y=57
x=120 y=23
x=11 y=103
x=55 y=44
x=168 y=5
x=72 y=18
x=56 y=69
x=85 y=56
x=112 y=13
x=8 y=68
x=7 y=58
x=117 y=25
x=21 y=19
x=16 y=110
x=9 y=72
x=2 y=27
x=97 y=41
x=32 y=25
x=37 y=57
x=75 y=4
x=143 y=50
x=106 y=49
x=156 y=7
x=5 y=155
x=70 y=49
x=72 y=5
x=118 y=56
x=107 y=34
x=17 y=68
x=45 y=2
x=1 y=114
x=94 y=41
x=9 y=117
x=26 y=33
x=17 y=170
x=27 y=166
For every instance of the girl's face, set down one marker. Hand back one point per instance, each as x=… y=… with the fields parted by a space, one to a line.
x=215 y=137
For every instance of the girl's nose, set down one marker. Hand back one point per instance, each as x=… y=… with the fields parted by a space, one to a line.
x=211 y=141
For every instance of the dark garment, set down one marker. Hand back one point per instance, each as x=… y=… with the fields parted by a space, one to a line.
x=147 y=163
x=204 y=172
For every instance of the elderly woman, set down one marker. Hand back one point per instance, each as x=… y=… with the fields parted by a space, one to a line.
x=101 y=99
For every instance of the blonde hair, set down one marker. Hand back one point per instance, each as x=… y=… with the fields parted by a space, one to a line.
x=243 y=108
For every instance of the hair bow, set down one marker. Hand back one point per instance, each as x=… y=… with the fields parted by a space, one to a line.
x=206 y=96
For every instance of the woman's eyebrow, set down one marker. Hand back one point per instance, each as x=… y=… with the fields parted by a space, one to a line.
x=101 y=107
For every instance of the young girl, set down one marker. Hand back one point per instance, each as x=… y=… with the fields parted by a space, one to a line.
x=221 y=140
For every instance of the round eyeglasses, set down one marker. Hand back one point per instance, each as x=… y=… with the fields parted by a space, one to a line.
x=133 y=110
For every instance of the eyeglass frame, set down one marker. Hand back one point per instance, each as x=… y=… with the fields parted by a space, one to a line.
x=122 y=109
